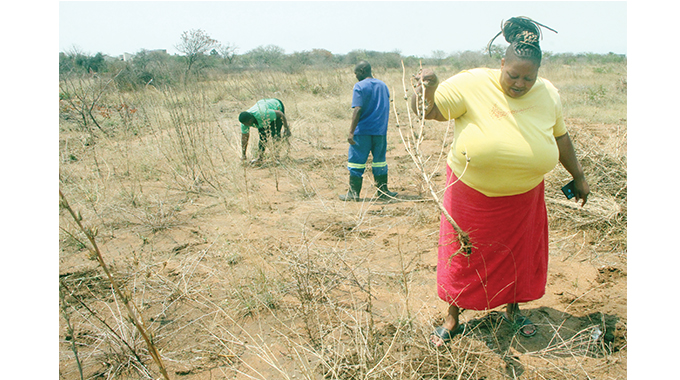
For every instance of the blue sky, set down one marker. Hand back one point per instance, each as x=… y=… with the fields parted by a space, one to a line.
x=410 y=27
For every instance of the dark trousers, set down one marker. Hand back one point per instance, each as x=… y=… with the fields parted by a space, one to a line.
x=273 y=129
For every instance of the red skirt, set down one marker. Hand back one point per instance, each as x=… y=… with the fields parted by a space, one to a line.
x=509 y=258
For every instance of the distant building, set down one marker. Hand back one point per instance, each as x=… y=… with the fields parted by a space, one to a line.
x=128 y=57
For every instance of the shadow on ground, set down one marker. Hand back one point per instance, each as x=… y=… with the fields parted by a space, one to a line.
x=559 y=334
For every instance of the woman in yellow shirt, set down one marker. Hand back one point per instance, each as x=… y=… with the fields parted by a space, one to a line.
x=510 y=132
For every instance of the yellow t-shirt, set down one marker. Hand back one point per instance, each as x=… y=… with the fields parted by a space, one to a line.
x=510 y=142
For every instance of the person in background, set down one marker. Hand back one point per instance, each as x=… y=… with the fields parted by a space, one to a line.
x=368 y=133
x=508 y=133
x=268 y=116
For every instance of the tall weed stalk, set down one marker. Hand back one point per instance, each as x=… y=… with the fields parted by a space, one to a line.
x=133 y=312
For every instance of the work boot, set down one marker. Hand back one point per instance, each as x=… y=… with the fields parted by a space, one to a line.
x=354 y=189
x=383 y=191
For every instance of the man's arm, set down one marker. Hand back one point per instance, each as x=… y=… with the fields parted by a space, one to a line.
x=244 y=144
x=284 y=120
x=355 y=120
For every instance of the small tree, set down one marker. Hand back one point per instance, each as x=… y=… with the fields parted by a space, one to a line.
x=267 y=56
x=76 y=60
x=438 y=56
x=497 y=52
x=195 y=44
x=228 y=52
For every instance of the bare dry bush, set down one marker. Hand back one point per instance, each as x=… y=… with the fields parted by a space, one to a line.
x=605 y=217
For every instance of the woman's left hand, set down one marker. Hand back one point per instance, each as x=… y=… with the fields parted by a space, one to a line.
x=581 y=190
x=570 y=162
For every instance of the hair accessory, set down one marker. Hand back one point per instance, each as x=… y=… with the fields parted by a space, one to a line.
x=520 y=30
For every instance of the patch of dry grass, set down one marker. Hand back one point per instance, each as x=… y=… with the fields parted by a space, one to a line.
x=260 y=272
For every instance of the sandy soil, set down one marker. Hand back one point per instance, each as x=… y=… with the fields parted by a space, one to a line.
x=581 y=319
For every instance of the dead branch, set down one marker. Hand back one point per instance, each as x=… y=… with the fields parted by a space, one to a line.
x=412 y=145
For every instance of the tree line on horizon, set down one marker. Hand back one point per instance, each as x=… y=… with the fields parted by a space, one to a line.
x=201 y=56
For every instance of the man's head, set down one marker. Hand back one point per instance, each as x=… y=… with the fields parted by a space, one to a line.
x=362 y=70
x=247 y=119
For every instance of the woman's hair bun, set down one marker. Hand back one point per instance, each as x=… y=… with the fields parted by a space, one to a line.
x=521 y=30
x=523 y=35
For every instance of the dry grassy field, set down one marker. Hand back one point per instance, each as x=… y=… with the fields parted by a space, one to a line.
x=177 y=260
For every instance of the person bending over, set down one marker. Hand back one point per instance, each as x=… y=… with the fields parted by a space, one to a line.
x=268 y=116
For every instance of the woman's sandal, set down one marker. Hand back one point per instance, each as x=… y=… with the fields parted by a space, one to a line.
x=520 y=323
x=446 y=335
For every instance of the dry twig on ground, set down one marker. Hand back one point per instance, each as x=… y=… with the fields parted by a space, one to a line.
x=134 y=315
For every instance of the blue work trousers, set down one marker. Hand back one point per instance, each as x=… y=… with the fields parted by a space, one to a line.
x=376 y=145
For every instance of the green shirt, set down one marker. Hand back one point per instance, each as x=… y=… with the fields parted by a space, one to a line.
x=263 y=111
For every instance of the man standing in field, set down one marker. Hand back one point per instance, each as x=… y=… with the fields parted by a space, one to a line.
x=268 y=116
x=368 y=133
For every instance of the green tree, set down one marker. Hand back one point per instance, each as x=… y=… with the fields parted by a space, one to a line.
x=75 y=60
x=268 y=56
x=438 y=56
x=496 y=52
x=66 y=63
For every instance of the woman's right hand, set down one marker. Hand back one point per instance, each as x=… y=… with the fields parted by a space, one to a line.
x=427 y=78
